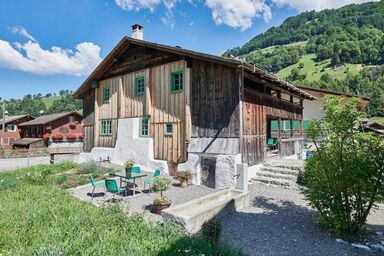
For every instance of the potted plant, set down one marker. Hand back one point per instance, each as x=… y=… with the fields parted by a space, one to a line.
x=183 y=177
x=212 y=231
x=71 y=137
x=128 y=167
x=46 y=136
x=159 y=185
x=57 y=137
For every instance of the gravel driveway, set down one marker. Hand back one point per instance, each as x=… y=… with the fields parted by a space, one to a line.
x=278 y=222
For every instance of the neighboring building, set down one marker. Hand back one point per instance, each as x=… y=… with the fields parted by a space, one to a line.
x=12 y=130
x=179 y=109
x=314 y=109
x=374 y=127
x=61 y=123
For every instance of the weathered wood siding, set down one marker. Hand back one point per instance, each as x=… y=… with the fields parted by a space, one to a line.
x=89 y=120
x=106 y=111
x=169 y=107
x=214 y=101
x=257 y=107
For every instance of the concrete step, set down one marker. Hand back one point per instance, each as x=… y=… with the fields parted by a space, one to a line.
x=280 y=170
x=275 y=181
x=276 y=175
x=285 y=163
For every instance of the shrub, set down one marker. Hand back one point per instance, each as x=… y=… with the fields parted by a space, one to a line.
x=161 y=184
x=57 y=137
x=129 y=164
x=344 y=176
x=211 y=231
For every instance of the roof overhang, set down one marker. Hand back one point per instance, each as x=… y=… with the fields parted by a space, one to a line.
x=236 y=63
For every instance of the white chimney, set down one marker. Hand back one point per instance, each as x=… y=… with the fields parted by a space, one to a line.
x=137 y=32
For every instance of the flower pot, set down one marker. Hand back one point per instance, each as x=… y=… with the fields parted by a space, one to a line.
x=160 y=207
x=183 y=183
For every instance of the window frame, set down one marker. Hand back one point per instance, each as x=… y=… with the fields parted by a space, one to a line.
x=148 y=118
x=105 y=88
x=102 y=130
x=137 y=79
x=13 y=130
x=172 y=80
x=166 y=133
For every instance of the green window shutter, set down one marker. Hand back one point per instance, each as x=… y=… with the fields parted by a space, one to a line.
x=106 y=94
x=145 y=126
x=139 y=85
x=177 y=81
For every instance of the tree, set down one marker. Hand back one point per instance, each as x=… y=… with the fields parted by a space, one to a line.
x=335 y=59
x=345 y=176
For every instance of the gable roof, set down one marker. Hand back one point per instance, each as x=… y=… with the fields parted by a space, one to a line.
x=10 y=119
x=237 y=63
x=48 y=118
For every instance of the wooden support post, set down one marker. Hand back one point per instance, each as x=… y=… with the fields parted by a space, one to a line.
x=291 y=126
x=291 y=99
x=279 y=135
x=301 y=128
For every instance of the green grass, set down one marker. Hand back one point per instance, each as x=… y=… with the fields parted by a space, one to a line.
x=270 y=48
x=38 y=218
x=49 y=101
x=315 y=70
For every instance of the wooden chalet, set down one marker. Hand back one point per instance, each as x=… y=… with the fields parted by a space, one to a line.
x=12 y=131
x=187 y=102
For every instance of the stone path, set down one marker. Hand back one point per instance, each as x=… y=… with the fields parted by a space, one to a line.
x=278 y=222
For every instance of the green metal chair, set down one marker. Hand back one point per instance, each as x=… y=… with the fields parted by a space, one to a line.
x=149 y=181
x=272 y=143
x=136 y=170
x=96 y=184
x=112 y=187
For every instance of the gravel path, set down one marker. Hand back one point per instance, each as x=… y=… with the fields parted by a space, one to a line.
x=278 y=222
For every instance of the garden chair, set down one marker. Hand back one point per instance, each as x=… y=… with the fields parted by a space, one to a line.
x=96 y=184
x=149 y=181
x=272 y=143
x=112 y=187
x=136 y=170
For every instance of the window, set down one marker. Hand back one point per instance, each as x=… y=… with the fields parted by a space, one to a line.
x=168 y=129
x=144 y=126
x=106 y=127
x=177 y=81
x=139 y=85
x=106 y=94
x=71 y=119
x=11 y=128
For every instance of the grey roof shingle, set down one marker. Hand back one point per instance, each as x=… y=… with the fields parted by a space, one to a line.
x=10 y=119
x=47 y=118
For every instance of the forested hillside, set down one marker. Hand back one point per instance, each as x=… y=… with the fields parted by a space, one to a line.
x=340 y=49
x=39 y=104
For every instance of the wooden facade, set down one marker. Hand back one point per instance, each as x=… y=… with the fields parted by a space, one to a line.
x=222 y=100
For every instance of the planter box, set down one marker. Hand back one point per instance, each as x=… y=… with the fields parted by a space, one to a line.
x=193 y=214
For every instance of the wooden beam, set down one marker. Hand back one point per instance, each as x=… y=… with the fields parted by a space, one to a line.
x=291 y=126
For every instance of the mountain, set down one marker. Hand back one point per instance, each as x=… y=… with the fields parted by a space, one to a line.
x=340 y=49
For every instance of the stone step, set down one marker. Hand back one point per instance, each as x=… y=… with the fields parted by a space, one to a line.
x=275 y=181
x=277 y=175
x=280 y=170
x=286 y=164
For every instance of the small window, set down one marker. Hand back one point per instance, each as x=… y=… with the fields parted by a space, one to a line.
x=71 y=119
x=11 y=128
x=139 y=85
x=106 y=94
x=177 y=81
x=144 y=126
x=106 y=127
x=168 y=129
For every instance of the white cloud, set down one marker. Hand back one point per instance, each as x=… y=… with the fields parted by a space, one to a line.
x=318 y=5
x=23 y=32
x=238 y=14
x=30 y=57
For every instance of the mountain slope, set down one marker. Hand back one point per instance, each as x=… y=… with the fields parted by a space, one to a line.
x=340 y=49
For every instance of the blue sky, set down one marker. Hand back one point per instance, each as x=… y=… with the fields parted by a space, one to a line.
x=50 y=45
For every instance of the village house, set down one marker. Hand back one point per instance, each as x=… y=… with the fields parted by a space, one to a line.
x=12 y=130
x=175 y=109
x=52 y=124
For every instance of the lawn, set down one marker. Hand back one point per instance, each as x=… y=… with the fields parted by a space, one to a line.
x=315 y=70
x=49 y=101
x=40 y=218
